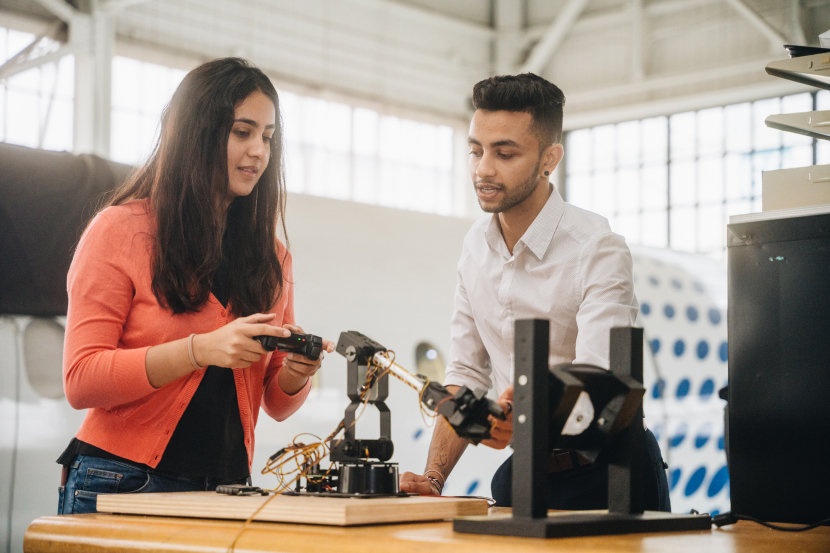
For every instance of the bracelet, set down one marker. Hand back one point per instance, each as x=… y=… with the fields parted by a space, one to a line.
x=436 y=483
x=190 y=352
x=438 y=473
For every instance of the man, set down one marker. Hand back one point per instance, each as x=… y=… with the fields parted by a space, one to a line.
x=537 y=257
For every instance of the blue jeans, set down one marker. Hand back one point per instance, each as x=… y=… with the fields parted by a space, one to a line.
x=89 y=476
x=586 y=487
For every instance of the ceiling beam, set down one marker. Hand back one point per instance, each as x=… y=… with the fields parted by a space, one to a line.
x=666 y=81
x=637 y=38
x=406 y=11
x=677 y=104
x=553 y=37
x=10 y=69
x=776 y=39
x=60 y=9
x=796 y=29
x=114 y=6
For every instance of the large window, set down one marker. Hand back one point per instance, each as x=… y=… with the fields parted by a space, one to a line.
x=332 y=149
x=140 y=90
x=36 y=106
x=352 y=153
x=674 y=181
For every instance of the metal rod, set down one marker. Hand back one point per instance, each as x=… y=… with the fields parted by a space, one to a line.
x=400 y=372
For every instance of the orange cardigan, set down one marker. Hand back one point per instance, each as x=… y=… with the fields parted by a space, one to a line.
x=114 y=318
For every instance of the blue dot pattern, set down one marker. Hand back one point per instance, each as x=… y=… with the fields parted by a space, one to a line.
x=683 y=314
x=472 y=487
x=703 y=435
x=692 y=313
x=694 y=482
x=683 y=388
x=655 y=346
x=418 y=433
x=674 y=478
x=707 y=389
x=718 y=482
x=702 y=349
x=658 y=389
x=679 y=436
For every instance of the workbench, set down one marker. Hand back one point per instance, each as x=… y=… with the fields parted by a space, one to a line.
x=129 y=533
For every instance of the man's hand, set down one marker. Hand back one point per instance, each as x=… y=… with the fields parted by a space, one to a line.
x=502 y=431
x=416 y=483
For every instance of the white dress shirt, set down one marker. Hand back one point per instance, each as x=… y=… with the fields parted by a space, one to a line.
x=568 y=268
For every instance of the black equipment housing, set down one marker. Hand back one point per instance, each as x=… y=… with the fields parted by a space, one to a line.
x=779 y=368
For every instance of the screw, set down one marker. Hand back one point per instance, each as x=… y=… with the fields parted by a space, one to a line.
x=522 y=419
x=522 y=380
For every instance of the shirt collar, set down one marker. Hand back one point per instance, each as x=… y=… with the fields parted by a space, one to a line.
x=538 y=236
x=541 y=230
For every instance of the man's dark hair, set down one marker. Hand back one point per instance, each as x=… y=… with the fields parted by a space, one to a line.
x=527 y=93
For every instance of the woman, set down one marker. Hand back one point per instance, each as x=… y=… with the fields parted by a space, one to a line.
x=168 y=287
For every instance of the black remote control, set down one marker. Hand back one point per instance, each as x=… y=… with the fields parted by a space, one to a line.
x=307 y=344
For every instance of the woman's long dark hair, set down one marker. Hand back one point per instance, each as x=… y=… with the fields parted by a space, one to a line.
x=186 y=181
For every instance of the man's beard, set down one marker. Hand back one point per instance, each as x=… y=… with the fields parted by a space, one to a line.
x=518 y=194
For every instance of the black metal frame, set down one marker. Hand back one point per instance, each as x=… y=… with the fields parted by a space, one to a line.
x=532 y=445
x=358 y=350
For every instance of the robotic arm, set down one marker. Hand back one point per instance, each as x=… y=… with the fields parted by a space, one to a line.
x=466 y=411
x=361 y=466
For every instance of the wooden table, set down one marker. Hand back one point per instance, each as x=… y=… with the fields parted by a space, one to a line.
x=127 y=533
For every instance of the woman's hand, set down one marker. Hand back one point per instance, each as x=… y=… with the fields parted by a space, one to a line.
x=297 y=368
x=233 y=345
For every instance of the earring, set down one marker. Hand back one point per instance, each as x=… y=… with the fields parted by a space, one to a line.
x=547 y=173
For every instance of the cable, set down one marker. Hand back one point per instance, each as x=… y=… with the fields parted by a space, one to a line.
x=425 y=414
x=13 y=467
x=729 y=517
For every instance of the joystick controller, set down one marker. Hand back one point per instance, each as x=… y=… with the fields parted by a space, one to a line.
x=306 y=344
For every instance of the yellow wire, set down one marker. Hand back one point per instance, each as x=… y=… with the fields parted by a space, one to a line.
x=312 y=454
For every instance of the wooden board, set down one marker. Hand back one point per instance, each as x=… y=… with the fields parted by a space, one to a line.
x=333 y=511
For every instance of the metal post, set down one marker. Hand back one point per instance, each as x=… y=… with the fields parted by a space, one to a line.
x=531 y=414
x=625 y=468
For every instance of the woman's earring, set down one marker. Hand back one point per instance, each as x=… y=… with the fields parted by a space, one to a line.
x=547 y=173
